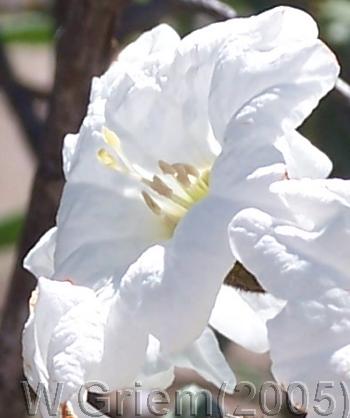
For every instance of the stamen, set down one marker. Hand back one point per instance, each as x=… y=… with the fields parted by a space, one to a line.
x=184 y=203
x=176 y=198
x=160 y=187
x=177 y=188
x=164 y=190
x=111 y=139
x=107 y=159
x=192 y=171
x=171 y=221
x=123 y=164
x=151 y=203
x=181 y=175
x=166 y=168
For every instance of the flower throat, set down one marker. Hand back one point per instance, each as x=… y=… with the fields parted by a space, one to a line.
x=169 y=194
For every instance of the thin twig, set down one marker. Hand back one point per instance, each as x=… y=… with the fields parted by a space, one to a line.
x=343 y=88
x=217 y=9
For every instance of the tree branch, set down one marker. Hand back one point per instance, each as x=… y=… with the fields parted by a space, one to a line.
x=84 y=50
x=21 y=100
x=343 y=88
x=217 y=9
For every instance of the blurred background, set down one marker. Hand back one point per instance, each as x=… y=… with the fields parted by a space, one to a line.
x=28 y=34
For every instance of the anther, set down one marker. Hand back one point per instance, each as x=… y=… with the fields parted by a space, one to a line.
x=182 y=175
x=107 y=159
x=111 y=139
x=159 y=186
x=151 y=203
x=192 y=171
x=166 y=168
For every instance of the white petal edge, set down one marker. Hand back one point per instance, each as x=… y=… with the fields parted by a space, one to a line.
x=242 y=318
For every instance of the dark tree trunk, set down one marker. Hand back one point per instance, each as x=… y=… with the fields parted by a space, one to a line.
x=84 y=49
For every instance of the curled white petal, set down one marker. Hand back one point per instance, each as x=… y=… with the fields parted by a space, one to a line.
x=302 y=158
x=40 y=259
x=241 y=317
x=314 y=348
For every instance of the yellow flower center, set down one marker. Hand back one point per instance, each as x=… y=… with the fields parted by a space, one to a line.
x=168 y=195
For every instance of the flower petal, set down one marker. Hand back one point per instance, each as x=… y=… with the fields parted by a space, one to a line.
x=124 y=349
x=263 y=31
x=158 y=369
x=287 y=253
x=96 y=240
x=247 y=184
x=170 y=94
x=303 y=159
x=275 y=89
x=206 y=358
x=294 y=257
x=182 y=279
x=56 y=298
x=310 y=344
x=179 y=87
x=86 y=337
x=241 y=317
x=76 y=347
x=162 y=38
x=40 y=259
x=69 y=147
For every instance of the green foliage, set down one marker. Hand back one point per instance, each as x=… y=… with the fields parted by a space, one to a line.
x=26 y=27
x=10 y=228
x=336 y=17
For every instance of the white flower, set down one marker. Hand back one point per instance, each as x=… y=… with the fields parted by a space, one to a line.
x=180 y=135
x=303 y=257
x=75 y=336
